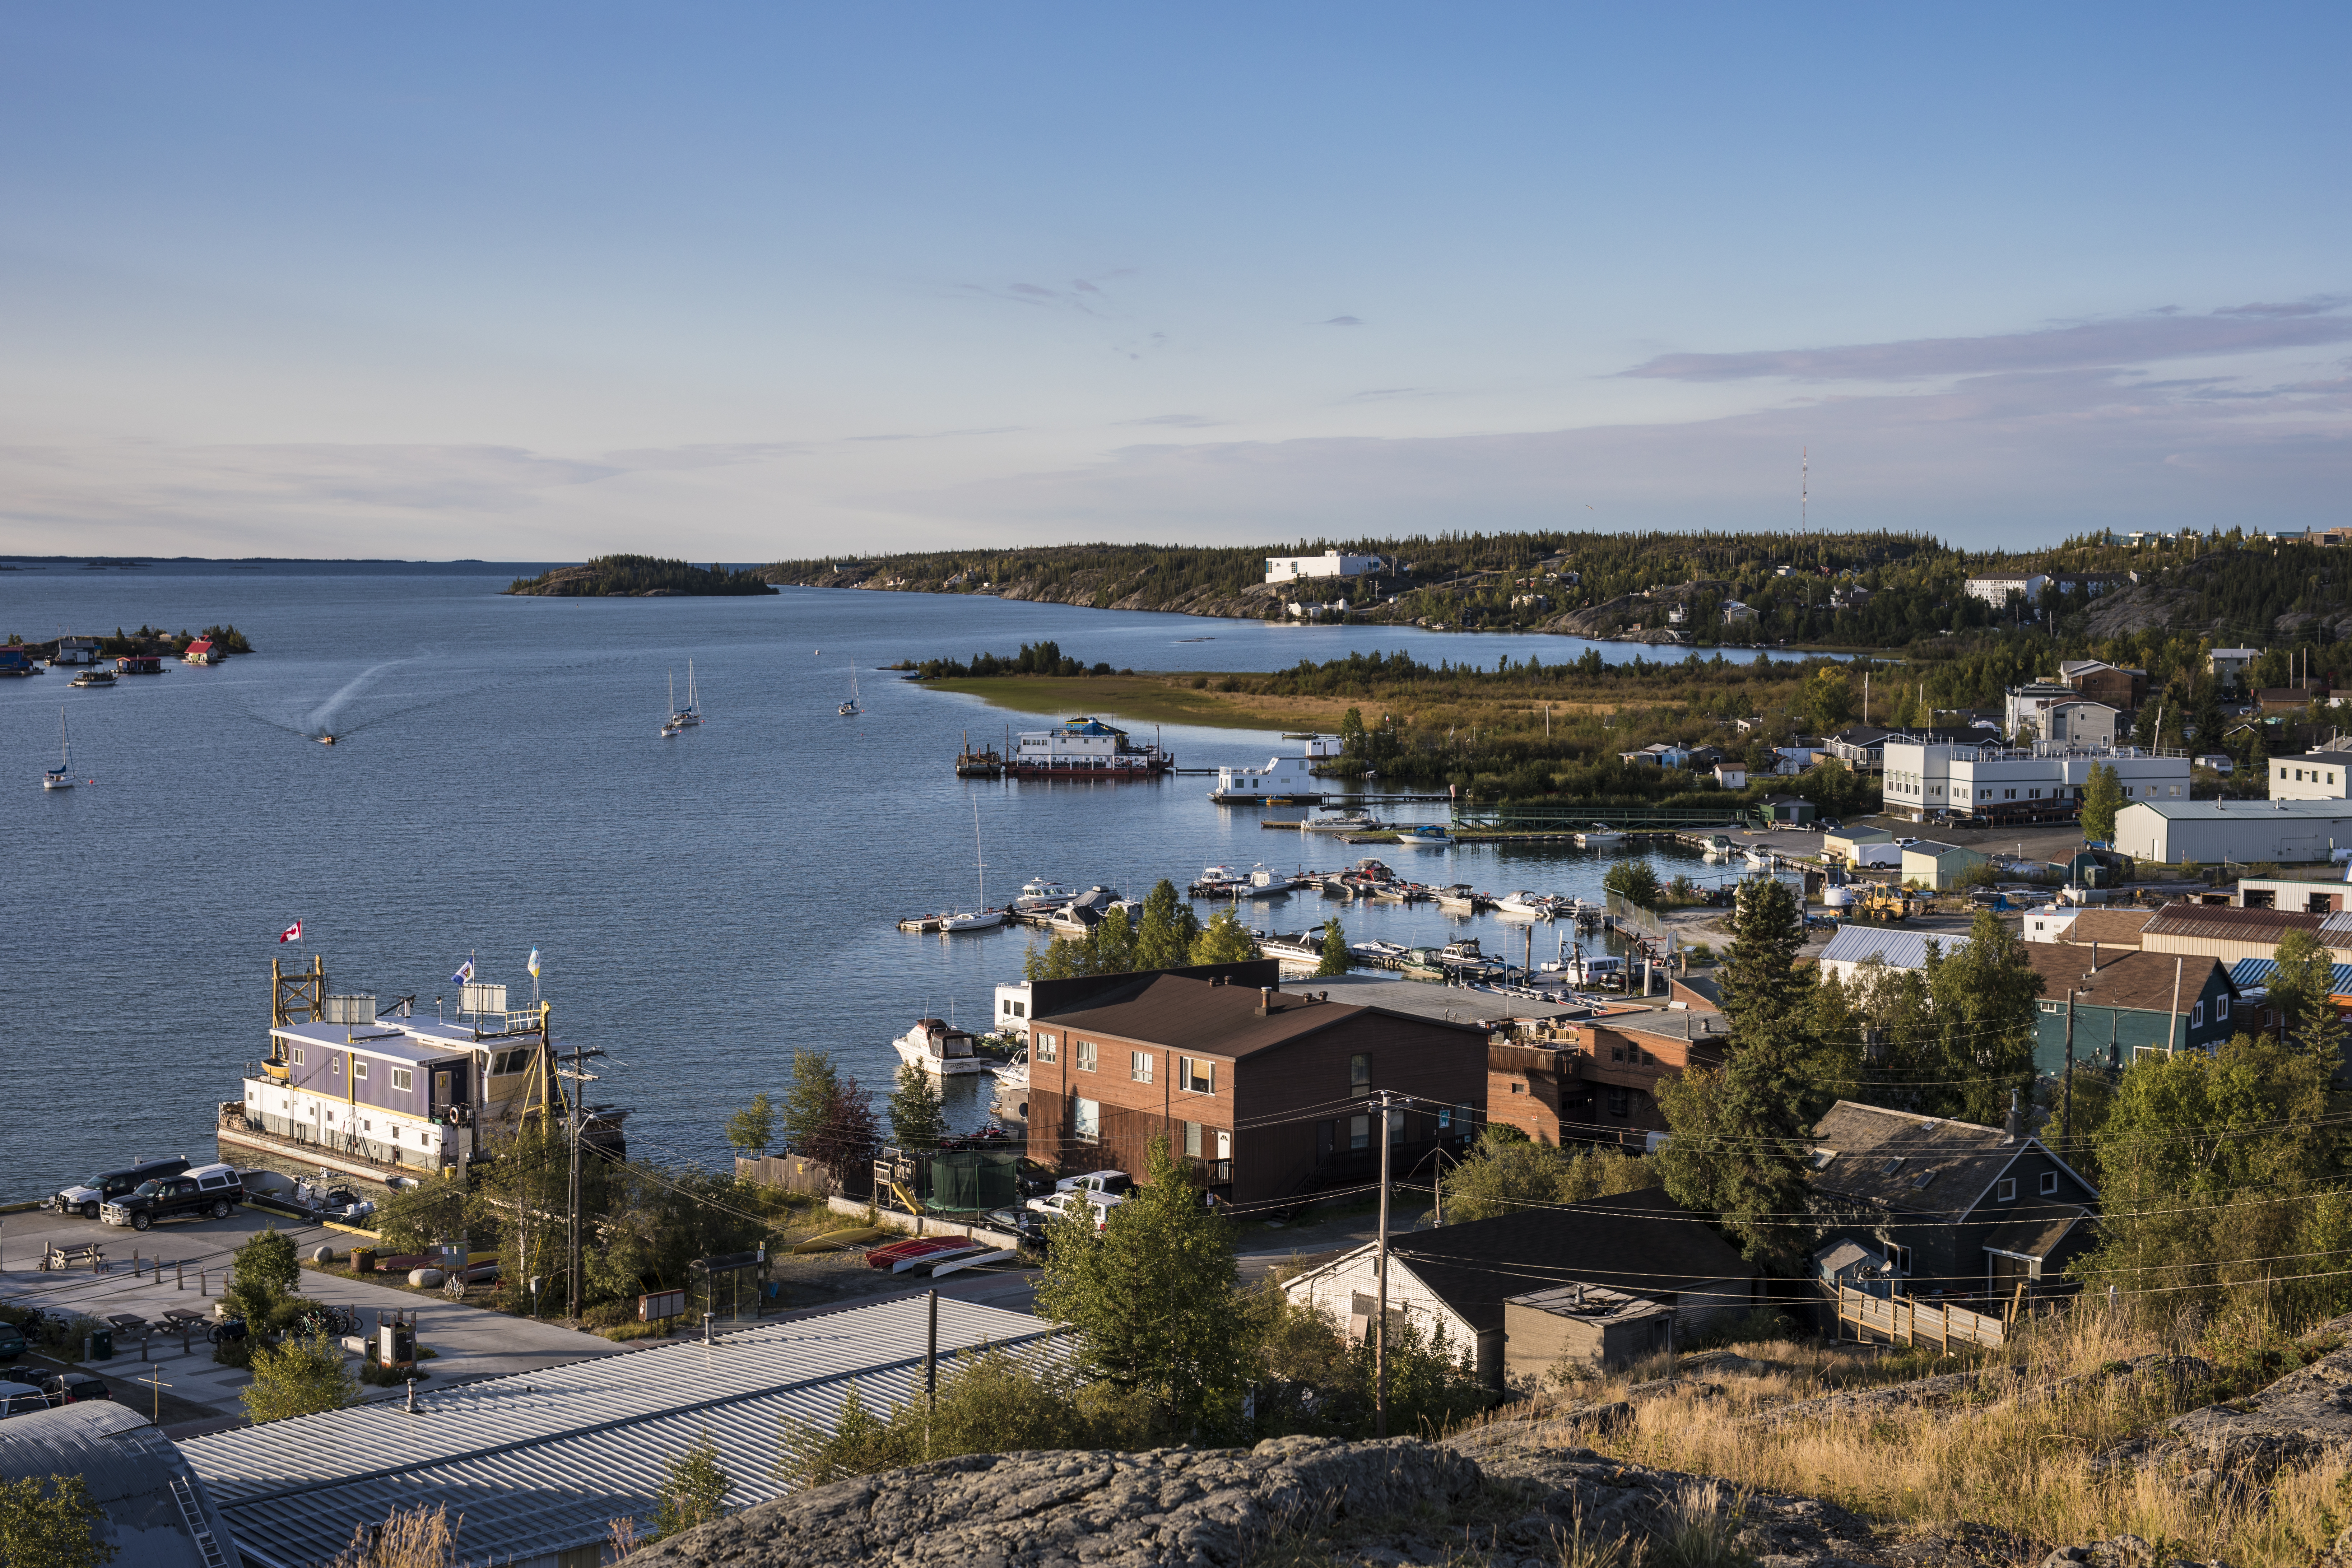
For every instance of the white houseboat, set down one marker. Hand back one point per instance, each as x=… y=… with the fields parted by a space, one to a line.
x=1085 y=747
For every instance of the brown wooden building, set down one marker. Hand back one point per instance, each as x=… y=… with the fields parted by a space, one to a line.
x=1266 y=1090
x=1596 y=1081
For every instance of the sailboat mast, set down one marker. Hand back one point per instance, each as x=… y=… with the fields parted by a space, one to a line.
x=976 y=857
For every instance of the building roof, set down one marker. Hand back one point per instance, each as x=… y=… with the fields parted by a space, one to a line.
x=1195 y=1015
x=542 y=1461
x=2250 y=974
x=1934 y=849
x=1672 y=1023
x=380 y=1041
x=2215 y=922
x=131 y=1470
x=1589 y=1303
x=2037 y=1230
x=1862 y=734
x=2341 y=758
x=2108 y=927
x=2142 y=982
x=1641 y=1243
x=1919 y=1165
x=1446 y=1004
x=2242 y=810
x=1895 y=948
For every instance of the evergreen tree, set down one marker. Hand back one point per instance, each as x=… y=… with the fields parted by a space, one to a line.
x=827 y=1116
x=1986 y=1000
x=1223 y=941
x=1154 y=1296
x=1335 y=958
x=1164 y=936
x=753 y=1128
x=2103 y=797
x=917 y=1114
x=1764 y=996
x=2302 y=987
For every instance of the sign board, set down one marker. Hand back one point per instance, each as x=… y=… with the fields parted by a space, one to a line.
x=654 y=1307
x=482 y=998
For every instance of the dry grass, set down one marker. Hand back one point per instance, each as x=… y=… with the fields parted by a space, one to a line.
x=2017 y=1465
x=412 y=1538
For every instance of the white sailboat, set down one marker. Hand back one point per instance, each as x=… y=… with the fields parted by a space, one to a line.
x=691 y=714
x=983 y=918
x=61 y=776
x=671 y=728
x=852 y=707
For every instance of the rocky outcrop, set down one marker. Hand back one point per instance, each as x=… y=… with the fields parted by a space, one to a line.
x=2301 y=1419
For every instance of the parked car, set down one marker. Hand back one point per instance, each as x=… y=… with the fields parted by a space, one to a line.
x=1060 y=1203
x=1023 y=1225
x=213 y=1189
x=73 y=1388
x=88 y=1198
x=12 y=1341
x=1116 y=1183
x=20 y=1399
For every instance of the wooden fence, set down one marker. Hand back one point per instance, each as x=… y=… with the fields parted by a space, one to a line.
x=1905 y=1322
x=788 y=1171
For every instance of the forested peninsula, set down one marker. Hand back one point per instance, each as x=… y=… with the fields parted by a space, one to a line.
x=641 y=577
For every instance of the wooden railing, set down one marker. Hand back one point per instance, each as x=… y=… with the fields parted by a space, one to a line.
x=1903 y=1321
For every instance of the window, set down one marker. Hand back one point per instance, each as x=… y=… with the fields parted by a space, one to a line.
x=1192 y=1140
x=2012 y=795
x=1898 y=1259
x=1891 y=1166
x=1446 y=1119
x=1224 y=1145
x=1396 y=1126
x=1620 y=1102
x=297 y=1054
x=1085 y=1053
x=1616 y=1053
x=1139 y=1066
x=1085 y=1120
x=2005 y=1190
x=359 y=1067
x=336 y=1064
x=1194 y=1076
x=403 y=1078
x=1517 y=1088
x=2221 y=1008
x=2049 y=1182
x=1360 y=1132
x=2197 y=1016
x=1048 y=1048
x=1359 y=1075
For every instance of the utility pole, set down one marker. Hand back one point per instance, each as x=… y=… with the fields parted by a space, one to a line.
x=1381 y=1316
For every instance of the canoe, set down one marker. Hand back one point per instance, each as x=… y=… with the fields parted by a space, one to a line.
x=833 y=1241
x=901 y=1255
x=954 y=1264
x=927 y=1262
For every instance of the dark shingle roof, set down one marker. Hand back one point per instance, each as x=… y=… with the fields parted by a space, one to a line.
x=1643 y=1242
x=2108 y=927
x=2125 y=978
x=2036 y=1229
x=1186 y=1014
x=1878 y=1157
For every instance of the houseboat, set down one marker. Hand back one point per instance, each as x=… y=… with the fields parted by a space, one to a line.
x=94 y=677
x=138 y=664
x=72 y=651
x=383 y=1095
x=1284 y=781
x=1085 y=747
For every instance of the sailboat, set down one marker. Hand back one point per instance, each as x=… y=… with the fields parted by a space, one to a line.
x=61 y=776
x=692 y=712
x=851 y=706
x=984 y=917
x=671 y=728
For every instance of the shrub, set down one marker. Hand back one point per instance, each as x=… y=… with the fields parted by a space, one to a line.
x=300 y=1377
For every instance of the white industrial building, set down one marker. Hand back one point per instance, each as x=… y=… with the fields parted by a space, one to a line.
x=1995 y=590
x=2315 y=775
x=1994 y=781
x=2249 y=831
x=1330 y=563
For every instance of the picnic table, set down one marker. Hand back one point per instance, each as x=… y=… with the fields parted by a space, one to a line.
x=55 y=1257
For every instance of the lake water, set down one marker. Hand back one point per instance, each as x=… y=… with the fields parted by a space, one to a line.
x=705 y=906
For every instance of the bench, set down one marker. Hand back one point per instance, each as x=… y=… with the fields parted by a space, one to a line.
x=57 y=1257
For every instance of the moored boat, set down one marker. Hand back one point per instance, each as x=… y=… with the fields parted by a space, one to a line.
x=939 y=1048
x=61 y=776
x=1425 y=833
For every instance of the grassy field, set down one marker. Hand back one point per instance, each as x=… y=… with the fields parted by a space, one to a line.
x=1171 y=698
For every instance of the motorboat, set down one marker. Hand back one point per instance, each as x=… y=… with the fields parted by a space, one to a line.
x=1009 y=1102
x=1378 y=954
x=1458 y=900
x=1262 y=883
x=1526 y=906
x=1041 y=895
x=1758 y=859
x=1425 y=833
x=61 y=776
x=326 y=740
x=1600 y=836
x=1306 y=947
x=94 y=678
x=973 y=920
x=939 y=1048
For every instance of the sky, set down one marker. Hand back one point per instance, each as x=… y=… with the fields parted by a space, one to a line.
x=771 y=281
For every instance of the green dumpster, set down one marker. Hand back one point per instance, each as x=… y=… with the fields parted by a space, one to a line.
x=101 y=1344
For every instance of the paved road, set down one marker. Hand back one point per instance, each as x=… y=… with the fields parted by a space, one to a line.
x=470 y=1341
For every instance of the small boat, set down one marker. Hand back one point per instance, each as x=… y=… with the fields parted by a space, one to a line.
x=1306 y=947
x=1600 y=836
x=1458 y=900
x=1757 y=860
x=982 y=917
x=969 y=1260
x=939 y=1048
x=834 y=1240
x=1343 y=822
x=851 y=707
x=326 y=740
x=691 y=714
x=61 y=776
x=1524 y=905
x=890 y=1256
x=1041 y=895
x=670 y=728
x=1010 y=1100
x=94 y=678
x=1425 y=833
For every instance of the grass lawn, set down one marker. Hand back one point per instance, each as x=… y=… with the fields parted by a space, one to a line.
x=1170 y=698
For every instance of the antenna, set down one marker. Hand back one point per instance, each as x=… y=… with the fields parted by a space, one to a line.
x=1804 y=486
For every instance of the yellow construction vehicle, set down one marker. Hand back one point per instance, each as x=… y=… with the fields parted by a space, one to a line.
x=1886 y=902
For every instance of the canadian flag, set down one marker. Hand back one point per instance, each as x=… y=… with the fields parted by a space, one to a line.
x=291 y=933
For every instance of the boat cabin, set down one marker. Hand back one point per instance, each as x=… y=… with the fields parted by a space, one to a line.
x=371 y=1089
x=138 y=664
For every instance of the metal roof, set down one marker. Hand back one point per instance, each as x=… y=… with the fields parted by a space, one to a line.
x=2242 y=810
x=541 y=1462
x=2255 y=974
x=1896 y=949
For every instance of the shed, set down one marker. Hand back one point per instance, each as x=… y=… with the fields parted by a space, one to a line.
x=1845 y=843
x=2249 y=831
x=1788 y=809
x=1584 y=1324
x=1937 y=866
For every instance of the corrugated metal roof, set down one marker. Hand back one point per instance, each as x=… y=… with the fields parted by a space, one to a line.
x=2255 y=974
x=2242 y=810
x=1896 y=949
x=542 y=1461
x=2225 y=923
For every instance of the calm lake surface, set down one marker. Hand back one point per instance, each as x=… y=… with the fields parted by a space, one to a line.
x=704 y=906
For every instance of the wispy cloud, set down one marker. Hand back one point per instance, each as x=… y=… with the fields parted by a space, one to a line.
x=2126 y=341
x=1343 y=321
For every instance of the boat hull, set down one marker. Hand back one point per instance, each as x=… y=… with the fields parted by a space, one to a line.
x=940 y=1067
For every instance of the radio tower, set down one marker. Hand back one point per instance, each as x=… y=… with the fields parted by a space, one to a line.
x=1804 y=486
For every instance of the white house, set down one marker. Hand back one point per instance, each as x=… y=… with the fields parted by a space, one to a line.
x=1991 y=780
x=1731 y=775
x=1996 y=589
x=1855 y=945
x=1013 y=1010
x=2231 y=663
x=2050 y=924
x=2315 y=775
x=1330 y=563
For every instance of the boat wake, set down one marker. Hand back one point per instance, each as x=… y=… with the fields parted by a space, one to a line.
x=322 y=717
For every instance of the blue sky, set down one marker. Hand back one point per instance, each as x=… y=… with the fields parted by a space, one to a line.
x=753 y=282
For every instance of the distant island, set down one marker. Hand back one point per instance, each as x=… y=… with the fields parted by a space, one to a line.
x=641 y=577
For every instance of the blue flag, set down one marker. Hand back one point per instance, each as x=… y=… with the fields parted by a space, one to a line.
x=465 y=973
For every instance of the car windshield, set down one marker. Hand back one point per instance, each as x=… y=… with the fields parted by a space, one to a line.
x=149 y=1190
x=96 y=1184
